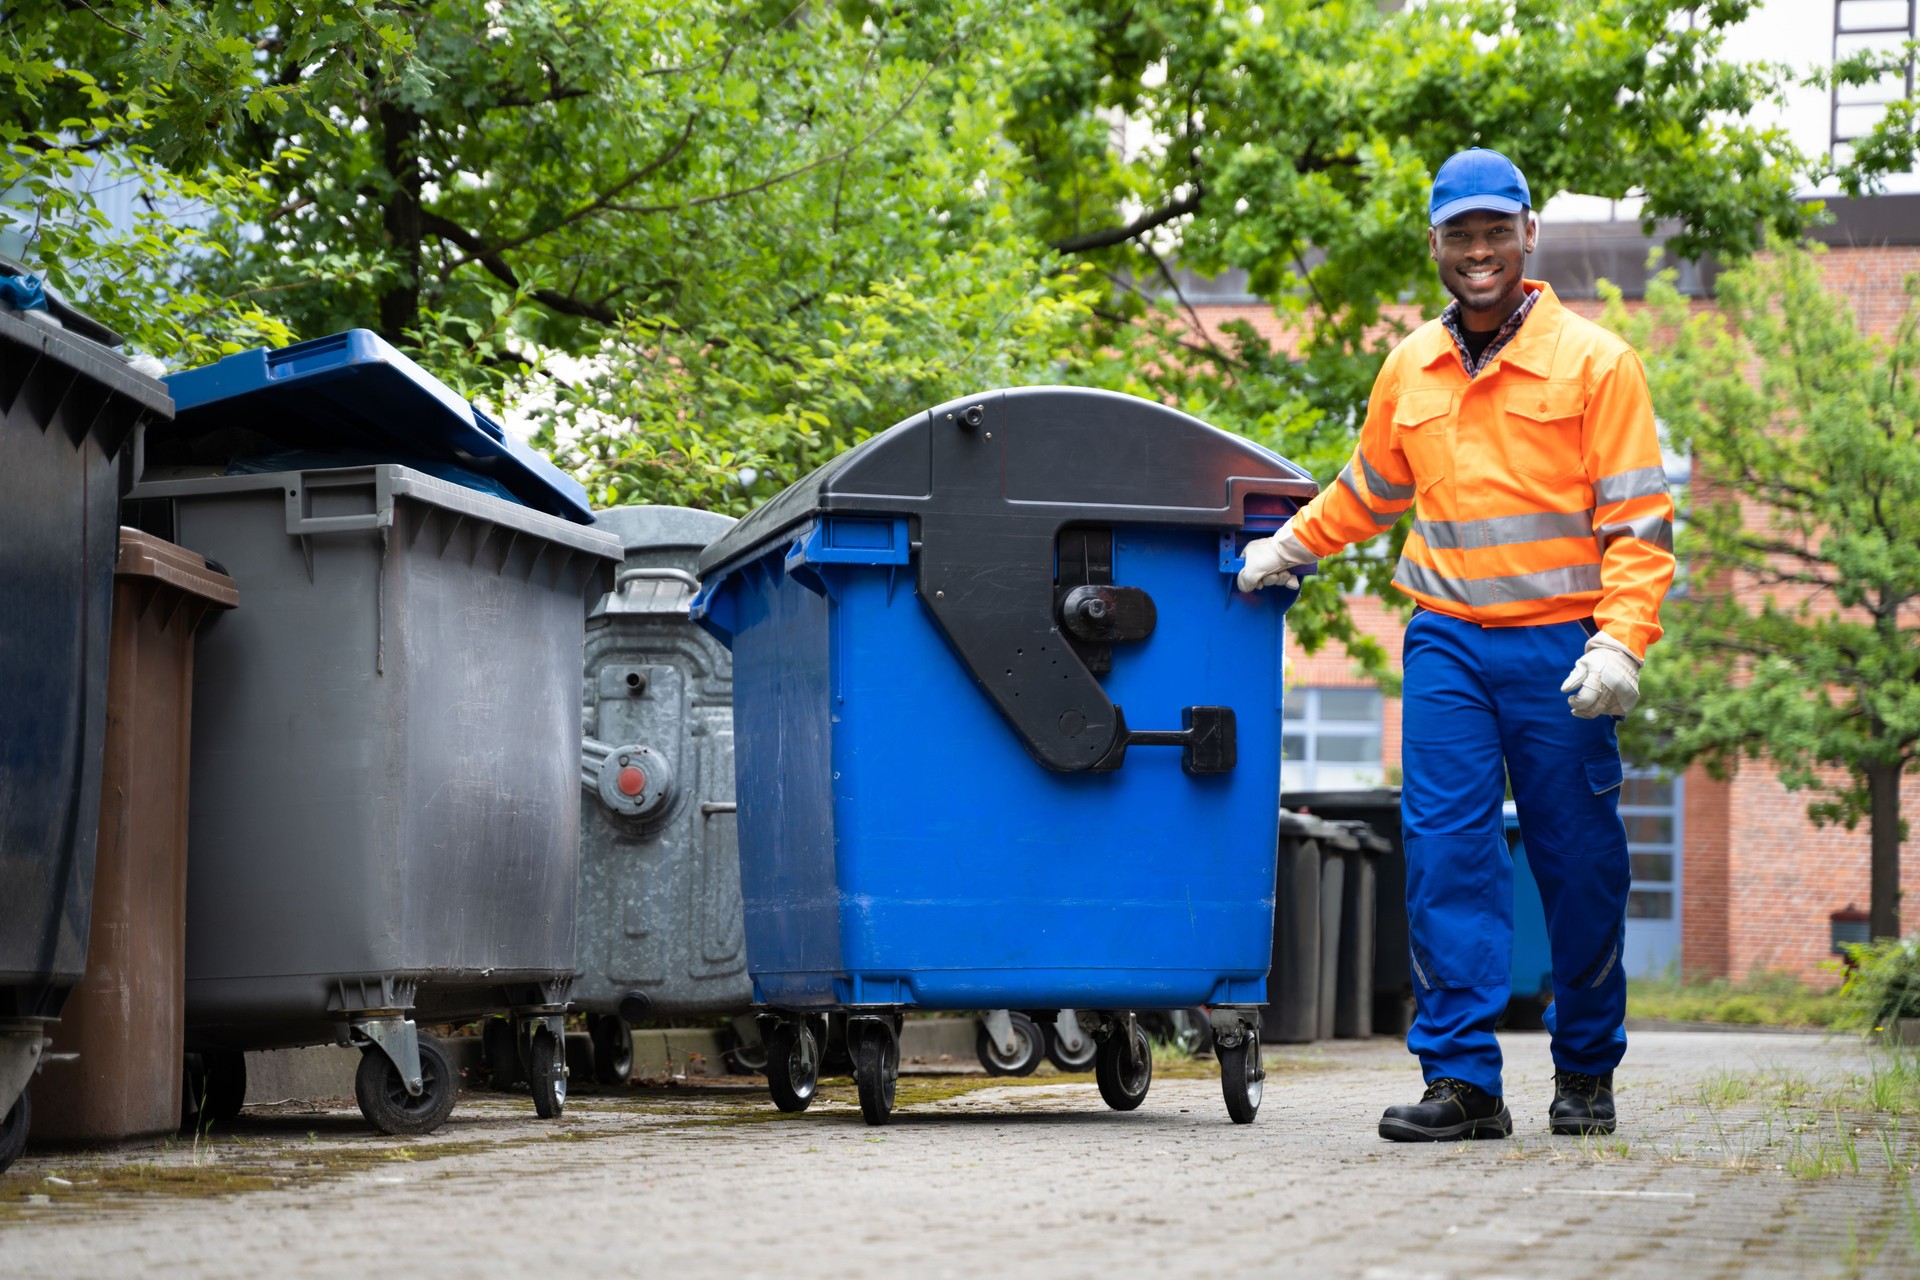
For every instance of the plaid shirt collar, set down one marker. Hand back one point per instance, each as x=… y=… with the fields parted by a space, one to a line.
x=1450 y=320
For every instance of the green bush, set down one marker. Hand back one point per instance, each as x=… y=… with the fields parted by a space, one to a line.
x=1761 y=999
x=1884 y=983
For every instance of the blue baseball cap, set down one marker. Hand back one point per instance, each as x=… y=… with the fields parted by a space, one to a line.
x=1477 y=179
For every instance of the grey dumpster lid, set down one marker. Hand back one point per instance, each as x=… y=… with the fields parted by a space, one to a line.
x=1369 y=840
x=1332 y=834
x=1300 y=828
x=42 y=361
x=655 y=528
x=1058 y=454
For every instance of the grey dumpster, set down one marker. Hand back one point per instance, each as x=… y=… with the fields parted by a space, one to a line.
x=661 y=929
x=68 y=407
x=1353 y=989
x=1379 y=808
x=1293 y=983
x=384 y=817
x=1338 y=851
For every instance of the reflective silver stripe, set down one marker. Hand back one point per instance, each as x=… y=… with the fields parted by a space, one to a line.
x=1379 y=484
x=1382 y=519
x=1479 y=593
x=1611 y=957
x=1503 y=531
x=1642 y=482
x=1654 y=528
x=1417 y=970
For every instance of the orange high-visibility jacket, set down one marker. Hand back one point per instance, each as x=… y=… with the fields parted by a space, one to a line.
x=1537 y=488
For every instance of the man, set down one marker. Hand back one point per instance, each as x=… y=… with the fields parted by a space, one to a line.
x=1522 y=437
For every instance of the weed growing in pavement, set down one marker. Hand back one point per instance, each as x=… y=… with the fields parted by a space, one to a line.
x=1724 y=1089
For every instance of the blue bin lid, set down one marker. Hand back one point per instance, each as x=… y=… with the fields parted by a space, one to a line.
x=354 y=390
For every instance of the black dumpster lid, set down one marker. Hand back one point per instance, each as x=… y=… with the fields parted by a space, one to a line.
x=1065 y=453
x=1369 y=840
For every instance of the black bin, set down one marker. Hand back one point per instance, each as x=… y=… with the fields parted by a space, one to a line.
x=68 y=408
x=1353 y=992
x=1293 y=983
x=1379 y=808
x=1339 y=850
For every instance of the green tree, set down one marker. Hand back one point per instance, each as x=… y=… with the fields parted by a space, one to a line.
x=1294 y=141
x=1797 y=640
x=707 y=243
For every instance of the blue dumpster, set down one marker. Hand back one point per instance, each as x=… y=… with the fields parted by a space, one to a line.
x=1531 y=972
x=1006 y=736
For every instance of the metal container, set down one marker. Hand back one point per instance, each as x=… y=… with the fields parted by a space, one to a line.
x=385 y=814
x=943 y=804
x=660 y=919
x=68 y=407
x=123 y=1024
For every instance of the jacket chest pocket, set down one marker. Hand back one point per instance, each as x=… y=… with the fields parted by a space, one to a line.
x=1543 y=429
x=1423 y=422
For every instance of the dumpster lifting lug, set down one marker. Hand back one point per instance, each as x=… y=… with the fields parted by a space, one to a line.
x=396 y=1036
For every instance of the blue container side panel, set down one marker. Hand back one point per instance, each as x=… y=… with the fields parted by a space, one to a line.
x=779 y=642
x=1531 y=969
x=965 y=874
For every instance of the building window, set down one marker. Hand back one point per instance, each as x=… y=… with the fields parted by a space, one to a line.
x=1877 y=27
x=1331 y=739
x=1650 y=808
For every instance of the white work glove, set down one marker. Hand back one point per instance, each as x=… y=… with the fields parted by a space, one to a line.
x=1606 y=680
x=1270 y=561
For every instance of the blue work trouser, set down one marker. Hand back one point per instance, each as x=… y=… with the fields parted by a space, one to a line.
x=1477 y=698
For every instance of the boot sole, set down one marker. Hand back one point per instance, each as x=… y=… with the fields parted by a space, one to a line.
x=1581 y=1128
x=1394 y=1129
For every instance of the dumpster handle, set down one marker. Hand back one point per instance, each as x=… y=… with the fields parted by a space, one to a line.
x=642 y=574
x=712 y=807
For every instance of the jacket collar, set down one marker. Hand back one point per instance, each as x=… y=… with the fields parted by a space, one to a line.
x=1531 y=349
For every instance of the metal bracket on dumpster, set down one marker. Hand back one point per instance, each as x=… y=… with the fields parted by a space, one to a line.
x=1234 y=1025
x=1066 y=1027
x=397 y=1037
x=1206 y=739
x=23 y=1047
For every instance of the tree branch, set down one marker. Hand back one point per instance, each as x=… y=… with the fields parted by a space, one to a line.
x=1105 y=237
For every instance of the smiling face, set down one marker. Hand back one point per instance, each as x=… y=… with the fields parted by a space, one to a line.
x=1482 y=256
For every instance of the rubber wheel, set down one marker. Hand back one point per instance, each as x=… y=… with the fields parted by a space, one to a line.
x=1122 y=1084
x=793 y=1066
x=876 y=1073
x=1242 y=1079
x=612 y=1050
x=501 y=1054
x=547 y=1075
x=1074 y=1062
x=383 y=1095
x=225 y=1090
x=1029 y=1047
x=746 y=1057
x=13 y=1130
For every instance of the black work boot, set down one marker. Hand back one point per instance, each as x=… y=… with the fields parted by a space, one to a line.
x=1450 y=1109
x=1581 y=1103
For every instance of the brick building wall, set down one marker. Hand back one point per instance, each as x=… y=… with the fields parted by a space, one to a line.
x=1758 y=879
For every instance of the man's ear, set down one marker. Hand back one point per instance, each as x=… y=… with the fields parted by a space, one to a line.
x=1532 y=236
x=1433 y=243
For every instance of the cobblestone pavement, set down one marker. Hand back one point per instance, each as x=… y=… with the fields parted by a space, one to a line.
x=1727 y=1164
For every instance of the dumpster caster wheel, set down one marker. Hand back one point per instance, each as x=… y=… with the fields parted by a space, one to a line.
x=876 y=1072
x=1124 y=1078
x=612 y=1050
x=225 y=1089
x=1029 y=1046
x=1071 y=1061
x=13 y=1130
x=1241 y=1079
x=793 y=1066
x=383 y=1095
x=547 y=1075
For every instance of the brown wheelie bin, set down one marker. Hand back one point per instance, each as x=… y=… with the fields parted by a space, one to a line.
x=125 y=1020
